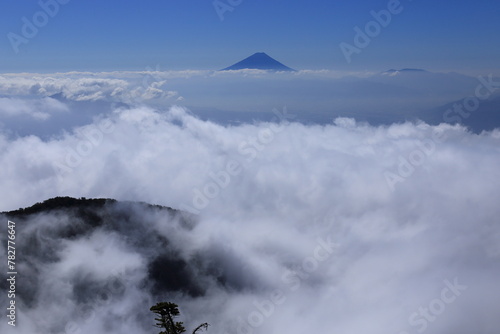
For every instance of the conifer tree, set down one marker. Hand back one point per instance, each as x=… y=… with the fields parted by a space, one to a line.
x=166 y=313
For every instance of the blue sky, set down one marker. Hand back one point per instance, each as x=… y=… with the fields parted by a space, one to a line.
x=134 y=35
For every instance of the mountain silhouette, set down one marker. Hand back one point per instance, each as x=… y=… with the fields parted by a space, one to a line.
x=259 y=61
x=149 y=231
x=76 y=220
x=404 y=70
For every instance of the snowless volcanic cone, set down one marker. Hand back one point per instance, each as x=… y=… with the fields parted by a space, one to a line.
x=259 y=61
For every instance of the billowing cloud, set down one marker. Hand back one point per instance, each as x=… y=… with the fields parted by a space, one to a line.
x=342 y=227
x=86 y=87
x=39 y=109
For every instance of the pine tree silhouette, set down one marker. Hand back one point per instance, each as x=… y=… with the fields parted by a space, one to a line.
x=166 y=312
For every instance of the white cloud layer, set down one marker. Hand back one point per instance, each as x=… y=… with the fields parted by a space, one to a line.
x=86 y=87
x=343 y=228
x=39 y=109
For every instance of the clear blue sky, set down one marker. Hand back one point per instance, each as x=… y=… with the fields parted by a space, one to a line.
x=101 y=35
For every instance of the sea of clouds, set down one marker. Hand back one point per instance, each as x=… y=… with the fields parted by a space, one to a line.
x=339 y=227
x=232 y=96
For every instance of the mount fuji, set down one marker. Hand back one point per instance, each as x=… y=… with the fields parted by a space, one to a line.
x=259 y=61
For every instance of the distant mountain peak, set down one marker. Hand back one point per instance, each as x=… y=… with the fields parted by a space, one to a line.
x=259 y=61
x=404 y=70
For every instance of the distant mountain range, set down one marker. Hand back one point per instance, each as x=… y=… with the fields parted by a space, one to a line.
x=405 y=70
x=259 y=61
x=485 y=118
